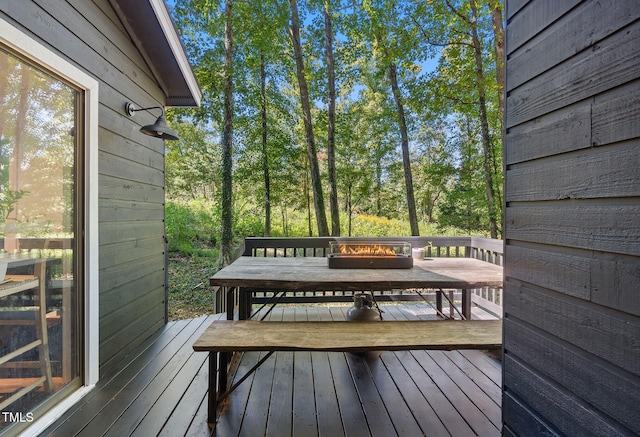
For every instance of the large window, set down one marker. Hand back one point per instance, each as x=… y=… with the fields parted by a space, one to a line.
x=41 y=299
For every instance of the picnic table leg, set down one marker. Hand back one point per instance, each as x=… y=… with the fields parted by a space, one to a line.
x=439 y=302
x=249 y=304
x=244 y=304
x=230 y=302
x=466 y=304
x=451 y=305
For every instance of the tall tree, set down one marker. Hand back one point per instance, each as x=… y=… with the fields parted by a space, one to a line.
x=498 y=43
x=226 y=237
x=261 y=37
x=379 y=103
x=389 y=53
x=331 y=116
x=465 y=44
x=265 y=154
x=406 y=156
x=316 y=184
x=487 y=145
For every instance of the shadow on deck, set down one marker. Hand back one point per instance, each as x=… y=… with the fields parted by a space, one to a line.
x=163 y=390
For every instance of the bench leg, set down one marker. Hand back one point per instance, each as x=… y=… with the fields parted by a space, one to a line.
x=212 y=412
x=218 y=370
x=223 y=371
x=218 y=381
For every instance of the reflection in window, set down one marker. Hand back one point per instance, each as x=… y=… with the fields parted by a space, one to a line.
x=38 y=302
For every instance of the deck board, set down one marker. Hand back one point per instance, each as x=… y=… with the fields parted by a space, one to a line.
x=353 y=419
x=163 y=391
x=458 y=396
x=229 y=423
x=111 y=387
x=254 y=421
x=423 y=412
x=328 y=409
x=282 y=390
x=143 y=391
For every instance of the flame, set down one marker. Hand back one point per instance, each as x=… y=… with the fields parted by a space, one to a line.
x=366 y=250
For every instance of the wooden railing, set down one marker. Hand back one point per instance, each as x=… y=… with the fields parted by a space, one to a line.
x=484 y=249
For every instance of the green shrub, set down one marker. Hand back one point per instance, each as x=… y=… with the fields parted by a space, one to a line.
x=191 y=226
x=248 y=223
x=371 y=226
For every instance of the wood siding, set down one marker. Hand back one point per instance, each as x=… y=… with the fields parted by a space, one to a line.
x=572 y=218
x=131 y=165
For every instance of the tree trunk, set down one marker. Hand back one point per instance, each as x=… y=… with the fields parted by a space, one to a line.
x=406 y=159
x=227 y=140
x=285 y=226
x=265 y=157
x=349 y=207
x=378 y=185
x=498 y=38
x=331 y=116
x=318 y=199
x=498 y=35
x=484 y=123
x=306 y=195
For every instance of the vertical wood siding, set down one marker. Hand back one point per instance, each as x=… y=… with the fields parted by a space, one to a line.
x=572 y=218
x=131 y=165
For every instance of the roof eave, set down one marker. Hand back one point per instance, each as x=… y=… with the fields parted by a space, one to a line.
x=152 y=30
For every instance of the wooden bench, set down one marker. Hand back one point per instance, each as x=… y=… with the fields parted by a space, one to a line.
x=226 y=336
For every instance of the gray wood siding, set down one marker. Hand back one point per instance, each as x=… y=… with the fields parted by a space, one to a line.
x=131 y=165
x=572 y=218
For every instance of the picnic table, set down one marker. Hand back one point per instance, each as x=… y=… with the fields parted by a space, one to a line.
x=248 y=274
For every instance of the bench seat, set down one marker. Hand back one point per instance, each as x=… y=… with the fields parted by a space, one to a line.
x=250 y=335
x=225 y=336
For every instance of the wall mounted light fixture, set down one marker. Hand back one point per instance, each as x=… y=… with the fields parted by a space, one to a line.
x=159 y=129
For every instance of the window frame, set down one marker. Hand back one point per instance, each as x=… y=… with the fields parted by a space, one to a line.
x=24 y=46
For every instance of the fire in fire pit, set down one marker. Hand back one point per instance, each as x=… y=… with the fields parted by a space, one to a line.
x=369 y=255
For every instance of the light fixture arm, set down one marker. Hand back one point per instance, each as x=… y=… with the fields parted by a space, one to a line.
x=131 y=109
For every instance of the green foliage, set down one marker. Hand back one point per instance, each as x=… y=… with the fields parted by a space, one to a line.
x=247 y=223
x=191 y=226
x=373 y=226
x=193 y=162
x=189 y=292
x=441 y=108
x=8 y=200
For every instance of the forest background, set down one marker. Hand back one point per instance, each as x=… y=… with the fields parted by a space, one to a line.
x=332 y=117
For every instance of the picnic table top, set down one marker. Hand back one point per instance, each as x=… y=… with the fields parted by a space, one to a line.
x=313 y=273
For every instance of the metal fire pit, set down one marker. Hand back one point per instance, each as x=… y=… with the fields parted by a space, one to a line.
x=369 y=255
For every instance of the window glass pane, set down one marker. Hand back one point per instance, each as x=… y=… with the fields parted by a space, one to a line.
x=39 y=354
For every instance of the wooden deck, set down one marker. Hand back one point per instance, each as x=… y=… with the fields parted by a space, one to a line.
x=162 y=391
